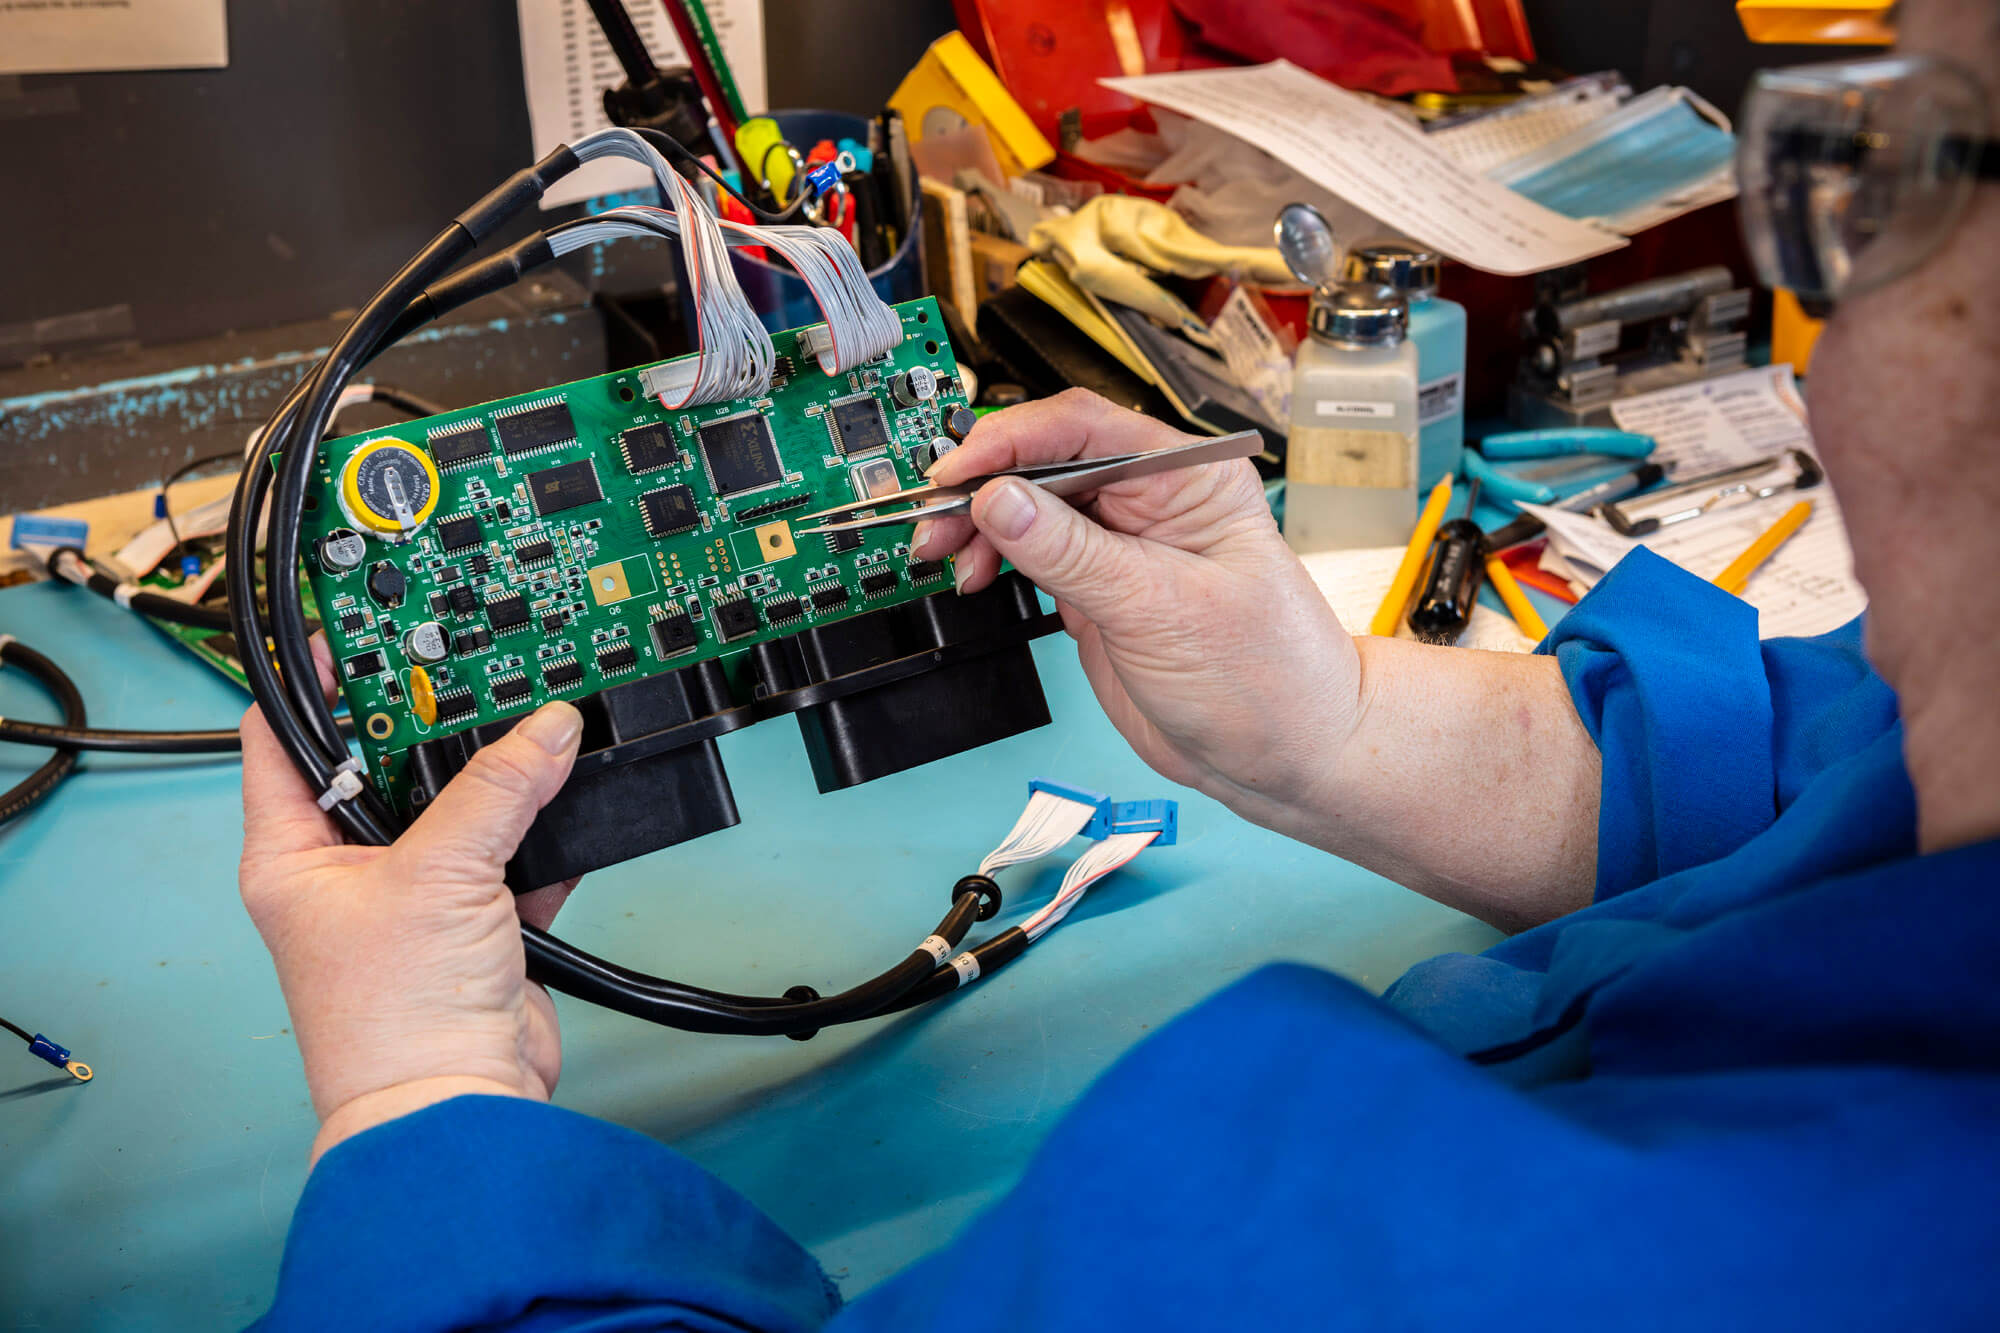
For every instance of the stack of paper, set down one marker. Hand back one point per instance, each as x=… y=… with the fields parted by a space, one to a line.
x=1808 y=586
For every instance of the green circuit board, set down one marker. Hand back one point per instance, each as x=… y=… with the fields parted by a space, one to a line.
x=584 y=536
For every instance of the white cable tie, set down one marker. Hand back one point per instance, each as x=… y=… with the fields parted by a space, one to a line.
x=122 y=594
x=71 y=568
x=346 y=784
x=937 y=946
x=967 y=968
x=6 y=639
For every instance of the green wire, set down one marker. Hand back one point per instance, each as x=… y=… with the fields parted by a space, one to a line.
x=710 y=43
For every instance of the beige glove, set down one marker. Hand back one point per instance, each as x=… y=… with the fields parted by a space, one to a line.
x=1108 y=245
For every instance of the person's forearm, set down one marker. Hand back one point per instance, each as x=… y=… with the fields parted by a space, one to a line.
x=1468 y=777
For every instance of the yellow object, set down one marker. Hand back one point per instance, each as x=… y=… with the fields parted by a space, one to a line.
x=951 y=87
x=1736 y=577
x=1048 y=282
x=80 y=1071
x=1830 y=22
x=607 y=583
x=774 y=542
x=423 y=699
x=1794 y=333
x=368 y=500
x=1406 y=573
x=754 y=140
x=1518 y=605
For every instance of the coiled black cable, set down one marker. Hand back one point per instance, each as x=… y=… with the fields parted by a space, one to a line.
x=35 y=788
x=69 y=564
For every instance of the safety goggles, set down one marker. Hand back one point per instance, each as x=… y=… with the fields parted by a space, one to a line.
x=1851 y=174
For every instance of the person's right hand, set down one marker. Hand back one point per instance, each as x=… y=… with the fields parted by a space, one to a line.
x=1204 y=637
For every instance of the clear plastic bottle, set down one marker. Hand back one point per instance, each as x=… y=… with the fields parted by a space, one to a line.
x=1437 y=327
x=1351 y=459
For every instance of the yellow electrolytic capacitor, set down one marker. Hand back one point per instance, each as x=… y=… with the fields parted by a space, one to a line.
x=389 y=488
x=423 y=699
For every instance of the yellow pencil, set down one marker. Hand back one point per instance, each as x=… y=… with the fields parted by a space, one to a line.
x=1518 y=605
x=1413 y=559
x=1736 y=577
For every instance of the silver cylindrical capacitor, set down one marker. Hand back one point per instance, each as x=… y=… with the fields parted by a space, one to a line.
x=913 y=386
x=425 y=644
x=341 y=550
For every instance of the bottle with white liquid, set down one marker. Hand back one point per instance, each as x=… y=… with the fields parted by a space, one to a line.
x=1351 y=459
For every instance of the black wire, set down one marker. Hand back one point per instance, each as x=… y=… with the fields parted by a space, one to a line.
x=18 y=1031
x=120 y=742
x=35 y=788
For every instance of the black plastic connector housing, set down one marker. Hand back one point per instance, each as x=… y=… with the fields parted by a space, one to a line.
x=625 y=797
x=950 y=674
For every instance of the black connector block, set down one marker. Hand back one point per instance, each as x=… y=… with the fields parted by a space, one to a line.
x=628 y=794
x=880 y=693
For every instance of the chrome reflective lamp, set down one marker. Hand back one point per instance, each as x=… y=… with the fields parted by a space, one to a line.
x=1853 y=173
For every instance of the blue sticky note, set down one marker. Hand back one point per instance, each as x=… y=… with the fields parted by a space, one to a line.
x=42 y=530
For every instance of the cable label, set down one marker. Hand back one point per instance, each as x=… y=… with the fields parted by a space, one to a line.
x=937 y=947
x=967 y=968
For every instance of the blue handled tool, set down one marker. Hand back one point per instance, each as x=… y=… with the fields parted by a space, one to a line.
x=1563 y=442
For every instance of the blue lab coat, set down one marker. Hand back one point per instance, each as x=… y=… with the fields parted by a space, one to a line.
x=1753 y=1085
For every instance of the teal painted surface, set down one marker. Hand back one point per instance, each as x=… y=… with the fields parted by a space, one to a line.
x=158 y=1195
x=1437 y=327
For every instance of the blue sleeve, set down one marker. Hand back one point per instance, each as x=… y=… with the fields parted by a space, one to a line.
x=1705 y=732
x=492 y=1212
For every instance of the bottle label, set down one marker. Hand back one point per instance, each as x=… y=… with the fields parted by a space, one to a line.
x=1442 y=397
x=1352 y=407
x=1374 y=459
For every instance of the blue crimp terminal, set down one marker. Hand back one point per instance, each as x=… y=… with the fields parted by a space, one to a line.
x=1100 y=823
x=160 y=505
x=42 y=1048
x=1148 y=816
x=190 y=567
x=822 y=178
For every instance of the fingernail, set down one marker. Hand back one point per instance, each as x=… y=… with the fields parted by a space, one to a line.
x=1007 y=510
x=554 y=727
x=959 y=574
x=920 y=540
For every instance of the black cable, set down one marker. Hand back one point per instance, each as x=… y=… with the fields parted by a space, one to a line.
x=625 y=42
x=17 y=1030
x=35 y=788
x=120 y=742
x=70 y=565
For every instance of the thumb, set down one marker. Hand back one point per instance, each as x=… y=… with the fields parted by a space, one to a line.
x=1067 y=555
x=478 y=820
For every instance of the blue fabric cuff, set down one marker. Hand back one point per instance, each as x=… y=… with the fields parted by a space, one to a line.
x=494 y=1211
x=1668 y=675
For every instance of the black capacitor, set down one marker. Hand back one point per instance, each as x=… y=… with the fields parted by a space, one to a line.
x=958 y=423
x=1453 y=573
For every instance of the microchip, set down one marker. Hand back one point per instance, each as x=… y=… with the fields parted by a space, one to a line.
x=561 y=675
x=552 y=622
x=463 y=599
x=456 y=705
x=364 y=665
x=462 y=444
x=923 y=571
x=740 y=453
x=858 y=427
x=878 y=581
x=471 y=641
x=649 y=448
x=825 y=599
x=838 y=542
x=734 y=619
x=564 y=486
x=673 y=633
x=617 y=659
x=351 y=621
x=536 y=428
x=669 y=510
x=455 y=534
x=507 y=612
x=781 y=609
x=480 y=564
x=529 y=553
x=448 y=574
x=511 y=690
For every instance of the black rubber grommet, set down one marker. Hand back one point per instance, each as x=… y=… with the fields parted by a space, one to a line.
x=802 y=995
x=988 y=891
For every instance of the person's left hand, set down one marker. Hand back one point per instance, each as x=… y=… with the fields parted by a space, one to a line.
x=402 y=965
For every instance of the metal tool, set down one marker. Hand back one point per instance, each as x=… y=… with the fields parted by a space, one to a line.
x=1724 y=489
x=1527 y=527
x=1070 y=477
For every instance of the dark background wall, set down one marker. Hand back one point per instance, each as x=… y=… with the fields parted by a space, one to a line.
x=159 y=206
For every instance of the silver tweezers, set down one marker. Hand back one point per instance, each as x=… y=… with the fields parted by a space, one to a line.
x=1065 y=478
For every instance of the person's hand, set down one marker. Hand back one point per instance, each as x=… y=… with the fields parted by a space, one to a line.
x=1204 y=637
x=402 y=966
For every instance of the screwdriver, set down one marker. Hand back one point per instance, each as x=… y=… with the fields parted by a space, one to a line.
x=1453 y=573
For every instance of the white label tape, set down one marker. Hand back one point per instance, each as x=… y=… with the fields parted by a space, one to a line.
x=967 y=968
x=937 y=947
x=1353 y=407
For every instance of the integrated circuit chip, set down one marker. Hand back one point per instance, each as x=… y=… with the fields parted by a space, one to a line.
x=511 y=690
x=564 y=486
x=456 y=705
x=649 y=448
x=460 y=445
x=561 y=675
x=857 y=424
x=875 y=582
x=455 y=534
x=673 y=633
x=923 y=571
x=530 y=553
x=838 y=542
x=536 y=428
x=669 y=510
x=463 y=600
x=740 y=453
x=351 y=621
x=828 y=596
x=552 y=622
x=507 y=612
x=734 y=619
x=781 y=609
x=617 y=658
